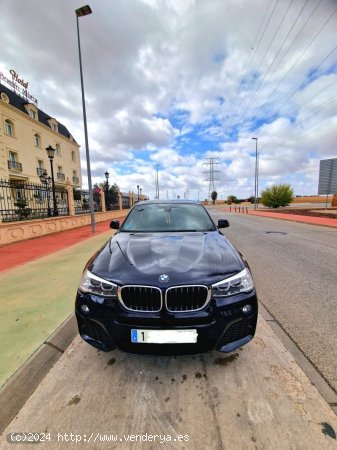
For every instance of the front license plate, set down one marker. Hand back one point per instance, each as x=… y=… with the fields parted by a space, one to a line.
x=164 y=336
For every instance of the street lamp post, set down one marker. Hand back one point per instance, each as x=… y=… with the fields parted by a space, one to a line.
x=256 y=175
x=138 y=191
x=51 y=152
x=84 y=11
x=107 y=188
x=46 y=181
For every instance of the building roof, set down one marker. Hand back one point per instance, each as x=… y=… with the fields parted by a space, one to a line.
x=18 y=102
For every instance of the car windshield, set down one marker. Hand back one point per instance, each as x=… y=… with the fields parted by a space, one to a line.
x=168 y=217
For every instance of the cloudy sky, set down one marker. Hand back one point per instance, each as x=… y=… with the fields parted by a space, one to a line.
x=170 y=83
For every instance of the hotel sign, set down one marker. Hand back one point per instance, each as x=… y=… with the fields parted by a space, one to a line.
x=18 y=85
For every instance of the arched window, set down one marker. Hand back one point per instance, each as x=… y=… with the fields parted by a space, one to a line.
x=37 y=140
x=73 y=156
x=9 y=127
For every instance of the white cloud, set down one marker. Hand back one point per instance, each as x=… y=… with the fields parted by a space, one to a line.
x=164 y=84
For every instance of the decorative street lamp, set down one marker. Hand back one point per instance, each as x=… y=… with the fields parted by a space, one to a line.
x=107 y=188
x=51 y=153
x=80 y=12
x=46 y=181
x=138 y=191
x=256 y=176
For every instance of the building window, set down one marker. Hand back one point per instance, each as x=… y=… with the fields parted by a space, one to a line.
x=9 y=128
x=40 y=168
x=13 y=163
x=60 y=175
x=54 y=126
x=33 y=114
x=58 y=149
x=73 y=156
x=37 y=138
x=13 y=157
x=75 y=177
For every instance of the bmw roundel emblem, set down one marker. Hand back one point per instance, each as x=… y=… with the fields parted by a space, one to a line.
x=163 y=278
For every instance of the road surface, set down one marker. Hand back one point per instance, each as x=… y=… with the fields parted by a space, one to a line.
x=294 y=267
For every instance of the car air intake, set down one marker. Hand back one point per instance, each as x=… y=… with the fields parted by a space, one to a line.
x=141 y=298
x=238 y=330
x=186 y=298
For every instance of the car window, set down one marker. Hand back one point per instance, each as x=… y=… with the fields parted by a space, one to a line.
x=166 y=217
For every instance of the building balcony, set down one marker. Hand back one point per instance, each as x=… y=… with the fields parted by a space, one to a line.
x=41 y=172
x=76 y=180
x=14 y=165
x=60 y=176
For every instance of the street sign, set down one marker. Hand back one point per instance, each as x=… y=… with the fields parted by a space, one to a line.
x=327 y=183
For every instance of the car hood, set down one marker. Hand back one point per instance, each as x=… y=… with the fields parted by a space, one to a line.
x=140 y=258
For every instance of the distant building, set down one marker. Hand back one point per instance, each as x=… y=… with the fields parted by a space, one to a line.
x=25 y=132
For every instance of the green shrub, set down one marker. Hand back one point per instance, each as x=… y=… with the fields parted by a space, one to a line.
x=277 y=195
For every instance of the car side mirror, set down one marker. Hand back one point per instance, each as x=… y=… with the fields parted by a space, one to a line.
x=223 y=223
x=114 y=224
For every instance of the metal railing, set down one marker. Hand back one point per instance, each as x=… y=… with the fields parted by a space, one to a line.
x=14 y=165
x=82 y=205
x=41 y=172
x=60 y=176
x=27 y=201
x=126 y=203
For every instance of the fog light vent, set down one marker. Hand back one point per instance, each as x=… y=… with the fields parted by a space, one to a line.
x=85 y=308
x=246 y=309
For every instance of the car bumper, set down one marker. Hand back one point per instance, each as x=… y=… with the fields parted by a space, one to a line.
x=221 y=326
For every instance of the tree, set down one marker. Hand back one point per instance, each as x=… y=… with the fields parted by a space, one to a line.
x=277 y=195
x=113 y=190
x=232 y=199
x=214 y=196
x=23 y=211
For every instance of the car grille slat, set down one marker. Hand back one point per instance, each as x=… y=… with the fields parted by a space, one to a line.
x=186 y=298
x=177 y=298
x=141 y=298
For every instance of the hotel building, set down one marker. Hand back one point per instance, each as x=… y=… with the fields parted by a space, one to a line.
x=25 y=132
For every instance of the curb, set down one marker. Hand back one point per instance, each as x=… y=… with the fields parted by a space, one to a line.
x=17 y=390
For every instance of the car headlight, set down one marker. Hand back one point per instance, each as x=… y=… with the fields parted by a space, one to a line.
x=96 y=285
x=241 y=282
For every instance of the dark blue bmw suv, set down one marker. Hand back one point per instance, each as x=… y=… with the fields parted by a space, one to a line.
x=167 y=283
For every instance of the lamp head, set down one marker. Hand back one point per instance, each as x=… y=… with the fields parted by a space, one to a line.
x=50 y=152
x=83 y=11
x=107 y=175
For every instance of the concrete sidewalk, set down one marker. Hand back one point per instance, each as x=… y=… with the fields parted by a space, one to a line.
x=257 y=397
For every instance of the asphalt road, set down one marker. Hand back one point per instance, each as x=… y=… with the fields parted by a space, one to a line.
x=295 y=275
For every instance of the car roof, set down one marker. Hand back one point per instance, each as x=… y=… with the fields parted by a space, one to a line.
x=168 y=202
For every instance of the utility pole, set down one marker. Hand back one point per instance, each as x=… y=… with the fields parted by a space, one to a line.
x=211 y=162
x=157 y=183
x=256 y=175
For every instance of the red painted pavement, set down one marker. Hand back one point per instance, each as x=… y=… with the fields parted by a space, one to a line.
x=323 y=221
x=12 y=255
